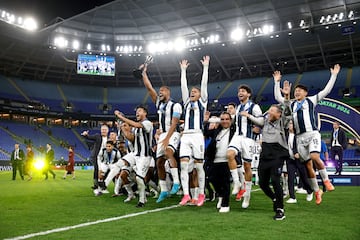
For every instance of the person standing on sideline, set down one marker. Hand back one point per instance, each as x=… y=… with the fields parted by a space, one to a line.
x=192 y=141
x=169 y=115
x=243 y=142
x=49 y=161
x=99 y=143
x=219 y=173
x=69 y=169
x=142 y=138
x=338 y=145
x=308 y=137
x=17 y=161
x=29 y=163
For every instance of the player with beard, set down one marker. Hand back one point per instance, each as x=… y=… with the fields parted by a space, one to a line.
x=243 y=141
x=169 y=114
x=142 y=154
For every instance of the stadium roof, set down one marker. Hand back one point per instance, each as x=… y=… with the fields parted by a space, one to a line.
x=292 y=36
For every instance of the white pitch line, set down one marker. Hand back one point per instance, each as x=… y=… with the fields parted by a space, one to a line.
x=90 y=223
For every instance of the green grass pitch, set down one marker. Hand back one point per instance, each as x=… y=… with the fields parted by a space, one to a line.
x=36 y=206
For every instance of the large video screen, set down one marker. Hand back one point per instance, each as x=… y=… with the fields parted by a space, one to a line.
x=96 y=65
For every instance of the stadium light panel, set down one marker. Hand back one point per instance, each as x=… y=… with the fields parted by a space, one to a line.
x=30 y=24
x=103 y=47
x=151 y=47
x=341 y=16
x=302 y=23
x=179 y=44
x=108 y=48
x=237 y=34
x=351 y=14
x=328 y=18
x=289 y=25
x=76 y=44
x=322 y=19
x=20 y=21
x=60 y=42
x=88 y=46
x=334 y=18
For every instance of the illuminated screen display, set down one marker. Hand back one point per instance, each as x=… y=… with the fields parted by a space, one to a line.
x=96 y=65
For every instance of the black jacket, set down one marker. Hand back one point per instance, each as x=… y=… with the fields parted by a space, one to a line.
x=341 y=138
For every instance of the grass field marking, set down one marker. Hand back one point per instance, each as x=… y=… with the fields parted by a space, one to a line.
x=90 y=223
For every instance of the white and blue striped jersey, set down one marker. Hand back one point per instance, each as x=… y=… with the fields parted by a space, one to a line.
x=143 y=139
x=243 y=124
x=166 y=112
x=194 y=116
x=303 y=112
x=194 y=111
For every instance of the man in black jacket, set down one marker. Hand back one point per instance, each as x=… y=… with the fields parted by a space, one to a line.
x=338 y=145
x=219 y=174
x=17 y=161
x=99 y=143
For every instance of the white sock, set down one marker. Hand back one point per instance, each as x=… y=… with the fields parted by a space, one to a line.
x=196 y=193
x=324 y=175
x=248 y=185
x=152 y=184
x=314 y=184
x=192 y=192
x=141 y=187
x=175 y=175
x=241 y=176
x=285 y=184
x=118 y=184
x=235 y=175
x=163 y=186
x=185 y=177
x=201 y=177
x=129 y=189
x=113 y=172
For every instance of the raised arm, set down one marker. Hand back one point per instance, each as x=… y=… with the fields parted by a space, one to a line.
x=148 y=84
x=205 y=77
x=128 y=121
x=184 y=88
x=334 y=72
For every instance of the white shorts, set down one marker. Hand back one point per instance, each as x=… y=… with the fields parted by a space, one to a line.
x=130 y=159
x=246 y=146
x=173 y=143
x=103 y=167
x=152 y=162
x=308 y=142
x=192 y=145
x=142 y=165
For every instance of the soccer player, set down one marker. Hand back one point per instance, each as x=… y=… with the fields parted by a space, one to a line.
x=307 y=135
x=142 y=147
x=192 y=140
x=243 y=141
x=106 y=158
x=169 y=114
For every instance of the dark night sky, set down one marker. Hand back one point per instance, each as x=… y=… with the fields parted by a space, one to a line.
x=44 y=11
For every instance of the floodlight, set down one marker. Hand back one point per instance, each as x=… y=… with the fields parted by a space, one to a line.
x=20 y=20
x=108 y=48
x=302 y=23
x=140 y=48
x=30 y=24
x=289 y=25
x=322 y=19
x=151 y=47
x=61 y=42
x=328 y=18
x=88 y=46
x=103 y=47
x=76 y=44
x=179 y=44
x=335 y=17
x=341 y=16
x=351 y=14
x=237 y=34
x=266 y=29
